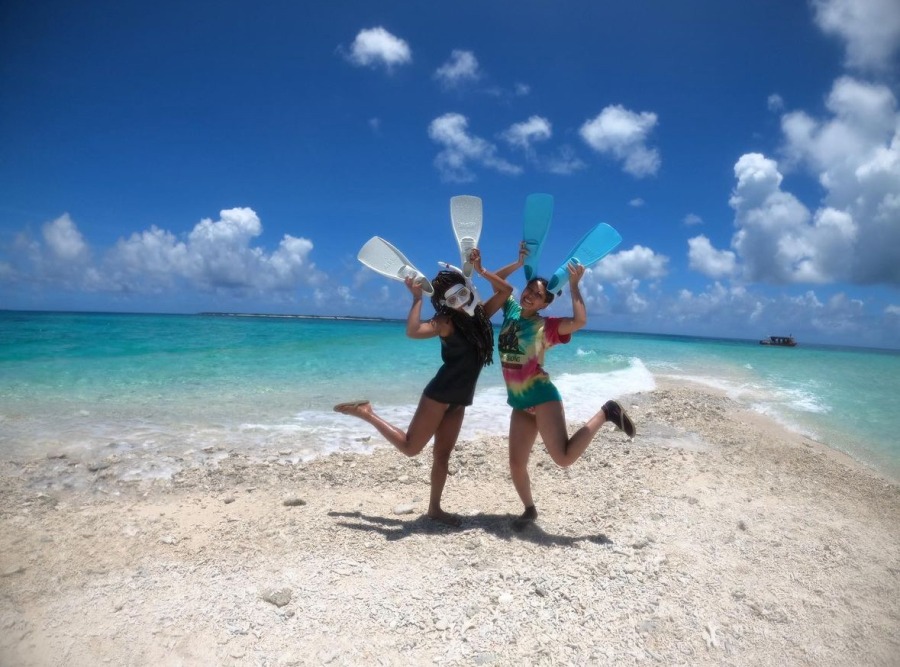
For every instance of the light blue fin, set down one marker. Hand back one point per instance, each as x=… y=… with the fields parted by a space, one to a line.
x=383 y=258
x=466 y=218
x=595 y=245
x=538 y=214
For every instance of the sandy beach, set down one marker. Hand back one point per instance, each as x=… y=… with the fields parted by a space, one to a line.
x=715 y=537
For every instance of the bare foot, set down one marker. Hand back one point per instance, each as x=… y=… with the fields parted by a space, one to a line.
x=354 y=408
x=529 y=516
x=445 y=518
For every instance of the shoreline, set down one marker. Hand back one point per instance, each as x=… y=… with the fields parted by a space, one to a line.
x=715 y=537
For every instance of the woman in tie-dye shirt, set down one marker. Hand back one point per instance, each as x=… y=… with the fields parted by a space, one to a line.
x=537 y=406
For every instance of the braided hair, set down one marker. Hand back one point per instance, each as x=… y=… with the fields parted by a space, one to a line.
x=477 y=329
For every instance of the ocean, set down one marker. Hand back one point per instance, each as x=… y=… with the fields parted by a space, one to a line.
x=161 y=392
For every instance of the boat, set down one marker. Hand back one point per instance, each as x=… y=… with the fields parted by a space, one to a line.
x=779 y=341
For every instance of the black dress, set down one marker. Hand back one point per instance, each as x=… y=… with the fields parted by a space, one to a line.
x=455 y=380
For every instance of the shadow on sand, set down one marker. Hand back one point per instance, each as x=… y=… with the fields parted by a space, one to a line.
x=499 y=525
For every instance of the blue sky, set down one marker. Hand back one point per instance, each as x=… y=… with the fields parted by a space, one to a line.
x=234 y=156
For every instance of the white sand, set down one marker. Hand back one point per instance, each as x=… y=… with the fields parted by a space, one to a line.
x=714 y=538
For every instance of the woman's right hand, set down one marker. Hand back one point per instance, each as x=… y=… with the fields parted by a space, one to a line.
x=523 y=252
x=414 y=286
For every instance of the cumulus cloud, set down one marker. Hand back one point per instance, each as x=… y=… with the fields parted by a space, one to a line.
x=376 y=47
x=709 y=261
x=523 y=135
x=460 y=150
x=462 y=67
x=775 y=102
x=855 y=153
x=623 y=134
x=215 y=256
x=870 y=29
x=779 y=240
x=63 y=239
x=638 y=263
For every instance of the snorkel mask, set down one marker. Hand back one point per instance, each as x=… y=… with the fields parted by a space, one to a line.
x=460 y=297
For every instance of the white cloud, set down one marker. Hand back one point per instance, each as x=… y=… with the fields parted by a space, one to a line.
x=775 y=102
x=376 y=47
x=462 y=67
x=526 y=134
x=870 y=29
x=778 y=240
x=855 y=154
x=461 y=149
x=709 y=261
x=637 y=263
x=64 y=240
x=692 y=219
x=216 y=256
x=637 y=202
x=523 y=135
x=563 y=162
x=623 y=134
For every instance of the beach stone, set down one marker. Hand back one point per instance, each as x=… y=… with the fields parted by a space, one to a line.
x=404 y=509
x=277 y=596
x=292 y=501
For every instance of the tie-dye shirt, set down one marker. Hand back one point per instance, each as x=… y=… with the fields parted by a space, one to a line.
x=522 y=343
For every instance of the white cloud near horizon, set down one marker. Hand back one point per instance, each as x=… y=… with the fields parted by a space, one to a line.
x=460 y=149
x=376 y=47
x=623 y=134
x=461 y=68
x=216 y=256
x=870 y=29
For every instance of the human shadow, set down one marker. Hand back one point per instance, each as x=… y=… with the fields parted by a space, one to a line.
x=498 y=525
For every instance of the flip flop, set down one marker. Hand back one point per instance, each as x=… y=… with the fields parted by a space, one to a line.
x=349 y=405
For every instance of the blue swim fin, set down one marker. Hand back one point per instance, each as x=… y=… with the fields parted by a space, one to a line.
x=538 y=214
x=595 y=245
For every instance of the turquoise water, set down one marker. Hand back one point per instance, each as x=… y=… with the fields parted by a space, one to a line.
x=158 y=392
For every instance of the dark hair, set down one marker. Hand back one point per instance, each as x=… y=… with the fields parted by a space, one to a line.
x=549 y=296
x=477 y=329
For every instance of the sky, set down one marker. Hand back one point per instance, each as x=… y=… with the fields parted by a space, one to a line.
x=233 y=156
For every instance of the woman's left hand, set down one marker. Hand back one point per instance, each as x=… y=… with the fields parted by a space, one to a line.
x=576 y=272
x=475 y=259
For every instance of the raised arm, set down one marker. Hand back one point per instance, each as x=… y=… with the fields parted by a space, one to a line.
x=507 y=270
x=502 y=289
x=570 y=325
x=415 y=327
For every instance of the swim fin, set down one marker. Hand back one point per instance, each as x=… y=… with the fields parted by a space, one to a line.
x=466 y=219
x=593 y=247
x=538 y=214
x=383 y=258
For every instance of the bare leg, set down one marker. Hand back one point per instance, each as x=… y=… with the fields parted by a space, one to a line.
x=522 y=434
x=551 y=423
x=423 y=426
x=444 y=441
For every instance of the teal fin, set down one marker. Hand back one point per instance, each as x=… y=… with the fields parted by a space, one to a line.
x=538 y=214
x=383 y=258
x=595 y=245
x=466 y=219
